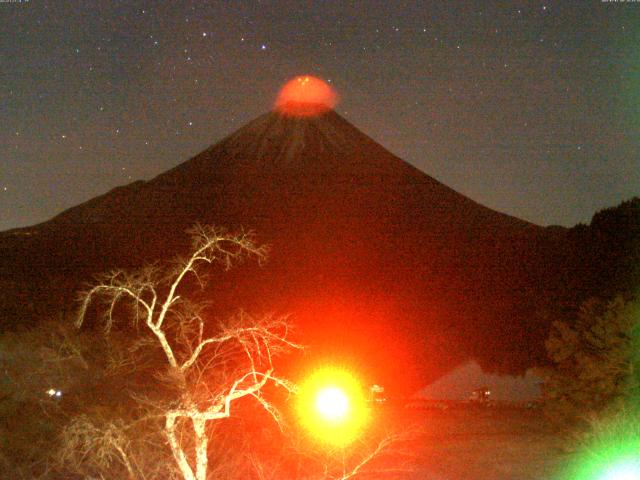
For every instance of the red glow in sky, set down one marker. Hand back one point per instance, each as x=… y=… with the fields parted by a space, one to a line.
x=306 y=96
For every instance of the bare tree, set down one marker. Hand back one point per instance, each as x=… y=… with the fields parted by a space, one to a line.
x=384 y=458
x=378 y=454
x=209 y=372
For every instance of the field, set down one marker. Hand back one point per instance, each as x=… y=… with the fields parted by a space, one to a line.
x=481 y=444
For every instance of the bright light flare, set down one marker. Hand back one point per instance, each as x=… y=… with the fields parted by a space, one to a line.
x=629 y=470
x=613 y=455
x=306 y=96
x=332 y=406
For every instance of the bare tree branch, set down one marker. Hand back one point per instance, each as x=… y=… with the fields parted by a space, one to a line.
x=192 y=357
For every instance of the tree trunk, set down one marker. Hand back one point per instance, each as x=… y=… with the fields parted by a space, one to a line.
x=178 y=453
x=202 y=442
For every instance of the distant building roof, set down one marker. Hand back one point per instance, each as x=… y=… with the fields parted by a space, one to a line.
x=462 y=381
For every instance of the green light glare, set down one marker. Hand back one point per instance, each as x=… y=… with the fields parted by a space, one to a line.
x=625 y=470
x=608 y=467
x=613 y=455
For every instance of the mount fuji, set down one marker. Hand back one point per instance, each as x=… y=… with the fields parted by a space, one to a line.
x=377 y=263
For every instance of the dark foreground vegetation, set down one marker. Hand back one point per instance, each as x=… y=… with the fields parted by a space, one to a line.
x=141 y=387
x=146 y=389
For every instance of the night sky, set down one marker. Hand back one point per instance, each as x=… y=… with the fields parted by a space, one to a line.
x=530 y=108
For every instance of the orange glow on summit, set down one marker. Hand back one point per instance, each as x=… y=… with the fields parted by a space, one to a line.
x=305 y=96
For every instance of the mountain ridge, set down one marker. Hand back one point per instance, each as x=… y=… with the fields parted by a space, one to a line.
x=362 y=242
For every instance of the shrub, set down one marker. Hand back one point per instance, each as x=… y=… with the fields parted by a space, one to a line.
x=595 y=365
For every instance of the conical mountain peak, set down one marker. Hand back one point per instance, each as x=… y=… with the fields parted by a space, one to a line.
x=372 y=257
x=282 y=136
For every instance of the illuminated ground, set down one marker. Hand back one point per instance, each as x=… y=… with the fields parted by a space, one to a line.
x=482 y=444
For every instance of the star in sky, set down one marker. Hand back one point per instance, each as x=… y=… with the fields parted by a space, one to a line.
x=469 y=95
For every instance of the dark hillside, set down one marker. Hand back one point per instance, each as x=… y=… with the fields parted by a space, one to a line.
x=377 y=262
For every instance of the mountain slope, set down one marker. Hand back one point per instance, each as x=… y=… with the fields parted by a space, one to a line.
x=380 y=264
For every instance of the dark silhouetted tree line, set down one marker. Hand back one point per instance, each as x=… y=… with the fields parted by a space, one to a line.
x=603 y=258
x=593 y=380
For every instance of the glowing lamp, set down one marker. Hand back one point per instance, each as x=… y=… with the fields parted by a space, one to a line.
x=331 y=406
